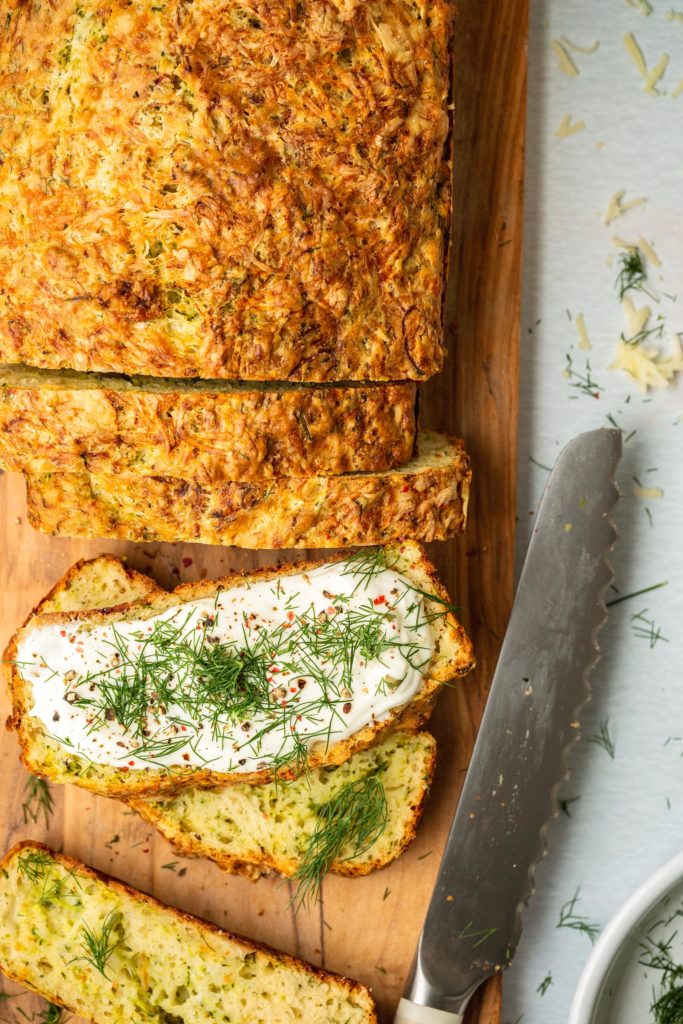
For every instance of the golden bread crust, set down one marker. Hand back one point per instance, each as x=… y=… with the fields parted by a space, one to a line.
x=203 y=434
x=202 y=190
x=425 y=500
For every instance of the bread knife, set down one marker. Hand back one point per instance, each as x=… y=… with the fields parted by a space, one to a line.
x=509 y=798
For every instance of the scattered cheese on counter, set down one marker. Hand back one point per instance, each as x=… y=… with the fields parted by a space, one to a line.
x=655 y=493
x=567 y=64
x=584 y=340
x=617 y=207
x=651 y=77
x=568 y=127
x=674 y=16
x=643 y=7
x=677 y=91
x=649 y=252
x=649 y=367
x=636 y=319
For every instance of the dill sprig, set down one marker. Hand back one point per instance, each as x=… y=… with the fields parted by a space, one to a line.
x=38 y=801
x=632 y=273
x=36 y=866
x=577 y=922
x=545 y=984
x=667 y=1007
x=99 y=946
x=603 y=738
x=583 y=382
x=365 y=564
x=356 y=816
x=647 y=629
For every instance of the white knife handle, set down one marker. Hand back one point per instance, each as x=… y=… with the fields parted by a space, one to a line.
x=412 y=1013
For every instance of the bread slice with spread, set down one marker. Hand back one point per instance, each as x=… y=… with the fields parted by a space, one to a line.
x=112 y=954
x=243 y=679
x=256 y=830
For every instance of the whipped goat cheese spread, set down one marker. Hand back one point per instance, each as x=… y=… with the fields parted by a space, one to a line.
x=246 y=680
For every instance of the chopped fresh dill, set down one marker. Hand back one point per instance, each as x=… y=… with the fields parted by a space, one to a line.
x=366 y=563
x=99 y=946
x=603 y=739
x=38 y=801
x=583 y=382
x=355 y=817
x=647 y=629
x=632 y=273
x=656 y=955
x=566 y=803
x=577 y=922
x=36 y=866
x=545 y=984
x=481 y=934
x=637 y=593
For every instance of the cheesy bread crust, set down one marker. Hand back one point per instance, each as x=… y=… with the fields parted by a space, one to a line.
x=225 y=190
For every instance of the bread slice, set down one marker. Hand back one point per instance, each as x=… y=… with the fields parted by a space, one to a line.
x=256 y=830
x=152 y=962
x=425 y=500
x=205 y=431
x=47 y=757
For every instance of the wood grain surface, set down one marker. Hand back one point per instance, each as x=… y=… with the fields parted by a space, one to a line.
x=366 y=928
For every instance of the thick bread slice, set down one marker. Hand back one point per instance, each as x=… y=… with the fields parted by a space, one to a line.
x=260 y=197
x=101 y=582
x=44 y=756
x=253 y=830
x=160 y=964
x=425 y=500
x=205 y=431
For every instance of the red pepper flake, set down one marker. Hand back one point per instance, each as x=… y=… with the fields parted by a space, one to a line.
x=406 y=488
x=187 y=562
x=184 y=729
x=62 y=632
x=186 y=757
x=145 y=849
x=131 y=763
x=380 y=600
x=290 y=616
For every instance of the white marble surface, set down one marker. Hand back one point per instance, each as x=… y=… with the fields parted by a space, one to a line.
x=629 y=818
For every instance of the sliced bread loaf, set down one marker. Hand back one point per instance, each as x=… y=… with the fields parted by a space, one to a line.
x=114 y=955
x=252 y=830
x=296 y=700
x=205 y=431
x=425 y=500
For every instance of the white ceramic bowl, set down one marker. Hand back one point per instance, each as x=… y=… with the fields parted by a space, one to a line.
x=611 y=989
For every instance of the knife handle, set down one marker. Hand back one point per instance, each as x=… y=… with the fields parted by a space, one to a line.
x=413 y=1013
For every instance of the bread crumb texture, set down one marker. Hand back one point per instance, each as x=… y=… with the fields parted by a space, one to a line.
x=426 y=500
x=254 y=830
x=148 y=962
x=205 y=431
x=217 y=189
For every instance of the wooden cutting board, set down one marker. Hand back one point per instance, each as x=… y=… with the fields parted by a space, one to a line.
x=366 y=928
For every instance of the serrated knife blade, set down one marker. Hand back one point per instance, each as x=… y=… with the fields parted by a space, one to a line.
x=509 y=799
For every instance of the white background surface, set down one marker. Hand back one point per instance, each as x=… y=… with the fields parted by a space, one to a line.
x=629 y=818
